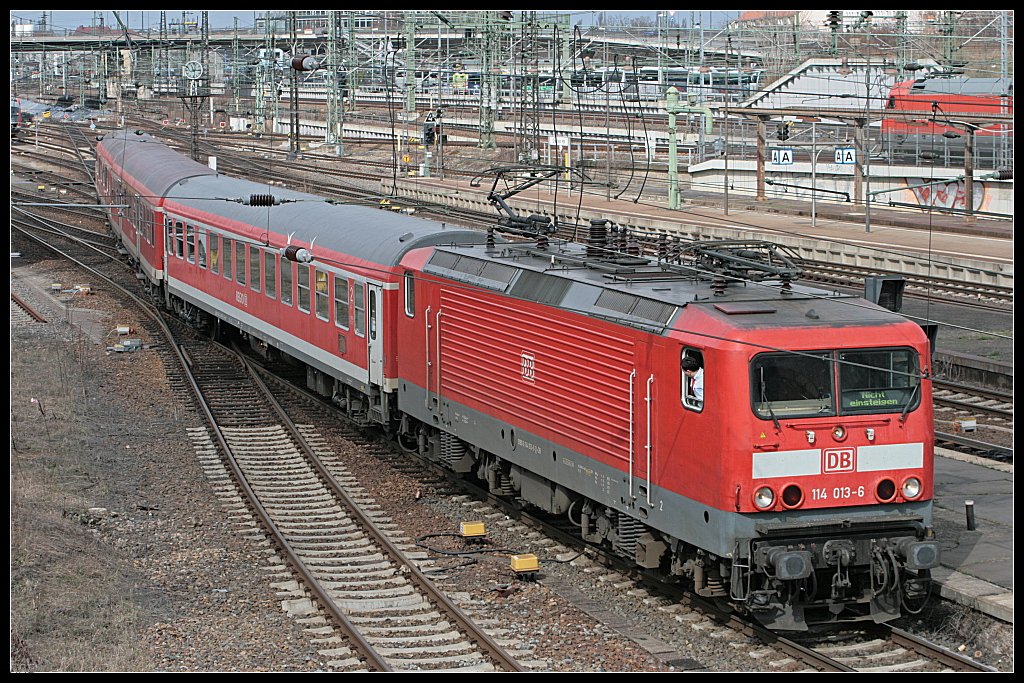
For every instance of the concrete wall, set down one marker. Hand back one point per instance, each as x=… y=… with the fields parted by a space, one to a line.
x=994 y=196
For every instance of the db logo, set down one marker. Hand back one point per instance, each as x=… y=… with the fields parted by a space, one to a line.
x=528 y=367
x=839 y=460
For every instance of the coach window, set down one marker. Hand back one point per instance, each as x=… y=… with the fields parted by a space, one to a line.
x=270 y=273
x=137 y=214
x=226 y=251
x=359 y=308
x=214 y=253
x=254 y=267
x=341 y=302
x=373 y=314
x=286 y=281
x=240 y=263
x=145 y=223
x=410 y=294
x=323 y=305
x=302 y=282
x=179 y=239
x=201 y=248
x=692 y=377
x=169 y=236
x=190 y=242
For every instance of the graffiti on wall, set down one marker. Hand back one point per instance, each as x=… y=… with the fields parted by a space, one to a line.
x=951 y=195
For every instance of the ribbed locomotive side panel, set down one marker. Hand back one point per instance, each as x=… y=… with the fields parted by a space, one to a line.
x=568 y=379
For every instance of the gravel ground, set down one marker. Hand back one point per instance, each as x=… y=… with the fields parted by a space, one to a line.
x=120 y=557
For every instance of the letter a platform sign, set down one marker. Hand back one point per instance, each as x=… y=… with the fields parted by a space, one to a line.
x=846 y=155
x=782 y=156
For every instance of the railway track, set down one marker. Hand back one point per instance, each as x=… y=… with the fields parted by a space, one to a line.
x=21 y=311
x=884 y=649
x=989 y=297
x=974 y=399
x=363 y=573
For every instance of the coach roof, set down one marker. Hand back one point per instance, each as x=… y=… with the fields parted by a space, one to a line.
x=376 y=236
x=150 y=161
x=371 y=234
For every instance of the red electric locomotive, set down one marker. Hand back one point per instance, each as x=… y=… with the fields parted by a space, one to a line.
x=920 y=111
x=701 y=414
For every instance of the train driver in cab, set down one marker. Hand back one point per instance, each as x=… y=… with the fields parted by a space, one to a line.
x=694 y=374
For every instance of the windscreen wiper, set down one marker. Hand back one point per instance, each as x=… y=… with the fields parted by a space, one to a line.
x=764 y=400
x=910 y=402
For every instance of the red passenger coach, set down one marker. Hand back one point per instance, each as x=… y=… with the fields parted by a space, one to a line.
x=136 y=198
x=700 y=413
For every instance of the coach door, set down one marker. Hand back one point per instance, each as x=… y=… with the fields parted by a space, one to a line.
x=375 y=336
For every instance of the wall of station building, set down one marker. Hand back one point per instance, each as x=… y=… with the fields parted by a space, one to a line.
x=941 y=187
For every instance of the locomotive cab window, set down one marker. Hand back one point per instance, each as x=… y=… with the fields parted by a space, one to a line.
x=878 y=381
x=805 y=384
x=795 y=384
x=410 y=294
x=692 y=379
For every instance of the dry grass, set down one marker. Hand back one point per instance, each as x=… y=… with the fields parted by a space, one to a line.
x=968 y=632
x=71 y=598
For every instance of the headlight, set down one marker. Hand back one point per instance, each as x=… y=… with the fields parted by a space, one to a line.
x=764 y=498
x=839 y=432
x=912 y=488
x=792 y=496
x=885 y=490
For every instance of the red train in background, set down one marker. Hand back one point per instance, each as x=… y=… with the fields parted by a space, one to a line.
x=921 y=110
x=798 y=488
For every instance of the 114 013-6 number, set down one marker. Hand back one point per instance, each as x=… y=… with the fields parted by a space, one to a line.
x=838 y=493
